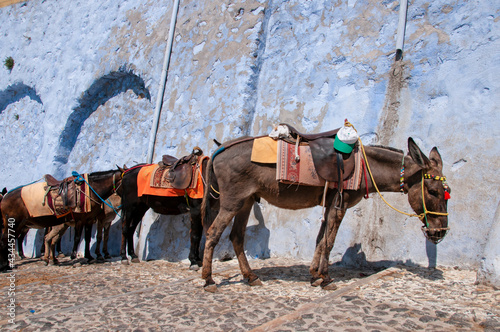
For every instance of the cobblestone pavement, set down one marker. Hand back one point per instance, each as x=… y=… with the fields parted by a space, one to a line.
x=167 y=296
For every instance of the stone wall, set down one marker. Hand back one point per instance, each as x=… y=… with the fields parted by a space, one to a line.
x=82 y=93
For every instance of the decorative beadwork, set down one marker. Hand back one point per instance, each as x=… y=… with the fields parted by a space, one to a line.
x=443 y=180
x=402 y=180
x=402 y=176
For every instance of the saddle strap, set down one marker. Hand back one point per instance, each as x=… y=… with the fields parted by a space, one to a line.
x=297 y=157
x=340 y=186
x=340 y=170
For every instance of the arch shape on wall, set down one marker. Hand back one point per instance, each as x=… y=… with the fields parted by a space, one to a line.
x=102 y=90
x=16 y=92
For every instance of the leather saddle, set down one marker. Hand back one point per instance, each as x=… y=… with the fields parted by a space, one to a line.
x=180 y=171
x=63 y=191
x=325 y=158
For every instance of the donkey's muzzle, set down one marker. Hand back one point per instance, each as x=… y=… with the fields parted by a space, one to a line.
x=435 y=235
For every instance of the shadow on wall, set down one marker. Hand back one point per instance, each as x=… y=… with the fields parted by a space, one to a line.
x=258 y=236
x=16 y=92
x=96 y=95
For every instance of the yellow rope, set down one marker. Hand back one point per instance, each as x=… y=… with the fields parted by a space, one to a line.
x=420 y=216
x=218 y=193
x=378 y=191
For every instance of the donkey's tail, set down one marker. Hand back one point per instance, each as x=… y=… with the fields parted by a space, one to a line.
x=210 y=203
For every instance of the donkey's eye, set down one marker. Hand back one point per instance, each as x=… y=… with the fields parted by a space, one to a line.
x=433 y=192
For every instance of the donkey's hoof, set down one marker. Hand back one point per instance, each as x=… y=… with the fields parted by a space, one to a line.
x=316 y=282
x=61 y=255
x=330 y=285
x=125 y=262
x=135 y=260
x=212 y=288
x=194 y=267
x=255 y=282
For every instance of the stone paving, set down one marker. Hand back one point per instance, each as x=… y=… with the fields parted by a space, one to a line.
x=167 y=296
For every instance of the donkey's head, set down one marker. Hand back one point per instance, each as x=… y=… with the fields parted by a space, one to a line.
x=428 y=192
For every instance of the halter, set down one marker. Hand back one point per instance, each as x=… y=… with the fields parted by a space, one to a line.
x=426 y=228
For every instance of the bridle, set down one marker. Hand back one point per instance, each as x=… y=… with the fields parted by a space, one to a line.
x=422 y=216
x=426 y=229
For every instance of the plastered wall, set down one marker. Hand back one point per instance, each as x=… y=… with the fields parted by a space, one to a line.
x=85 y=81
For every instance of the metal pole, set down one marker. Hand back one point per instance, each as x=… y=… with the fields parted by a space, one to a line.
x=163 y=82
x=403 y=6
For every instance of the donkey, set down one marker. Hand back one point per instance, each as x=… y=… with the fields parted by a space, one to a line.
x=16 y=215
x=102 y=220
x=239 y=183
x=134 y=208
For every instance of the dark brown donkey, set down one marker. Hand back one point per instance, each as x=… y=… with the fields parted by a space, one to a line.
x=16 y=216
x=241 y=182
x=134 y=208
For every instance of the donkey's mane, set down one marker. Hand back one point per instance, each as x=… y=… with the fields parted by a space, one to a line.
x=387 y=148
x=97 y=175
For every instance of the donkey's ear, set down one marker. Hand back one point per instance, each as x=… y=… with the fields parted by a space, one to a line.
x=417 y=155
x=435 y=157
x=4 y=190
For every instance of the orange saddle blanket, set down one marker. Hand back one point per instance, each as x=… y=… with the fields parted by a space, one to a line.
x=152 y=180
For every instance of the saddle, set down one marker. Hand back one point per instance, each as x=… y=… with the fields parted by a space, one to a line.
x=330 y=164
x=180 y=171
x=61 y=195
x=310 y=137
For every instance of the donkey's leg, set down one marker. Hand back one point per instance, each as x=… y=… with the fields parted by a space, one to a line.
x=123 y=248
x=59 y=248
x=88 y=238
x=324 y=244
x=46 y=245
x=214 y=233
x=59 y=232
x=130 y=220
x=77 y=238
x=98 y=238
x=50 y=242
x=315 y=278
x=195 y=234
x=42 y=247
x=106 y=227
x=20 y=241
x=237 y=237
x=130 y=241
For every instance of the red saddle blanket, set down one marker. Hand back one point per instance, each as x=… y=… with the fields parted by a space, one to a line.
x=304 y=173
x=152 y=180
